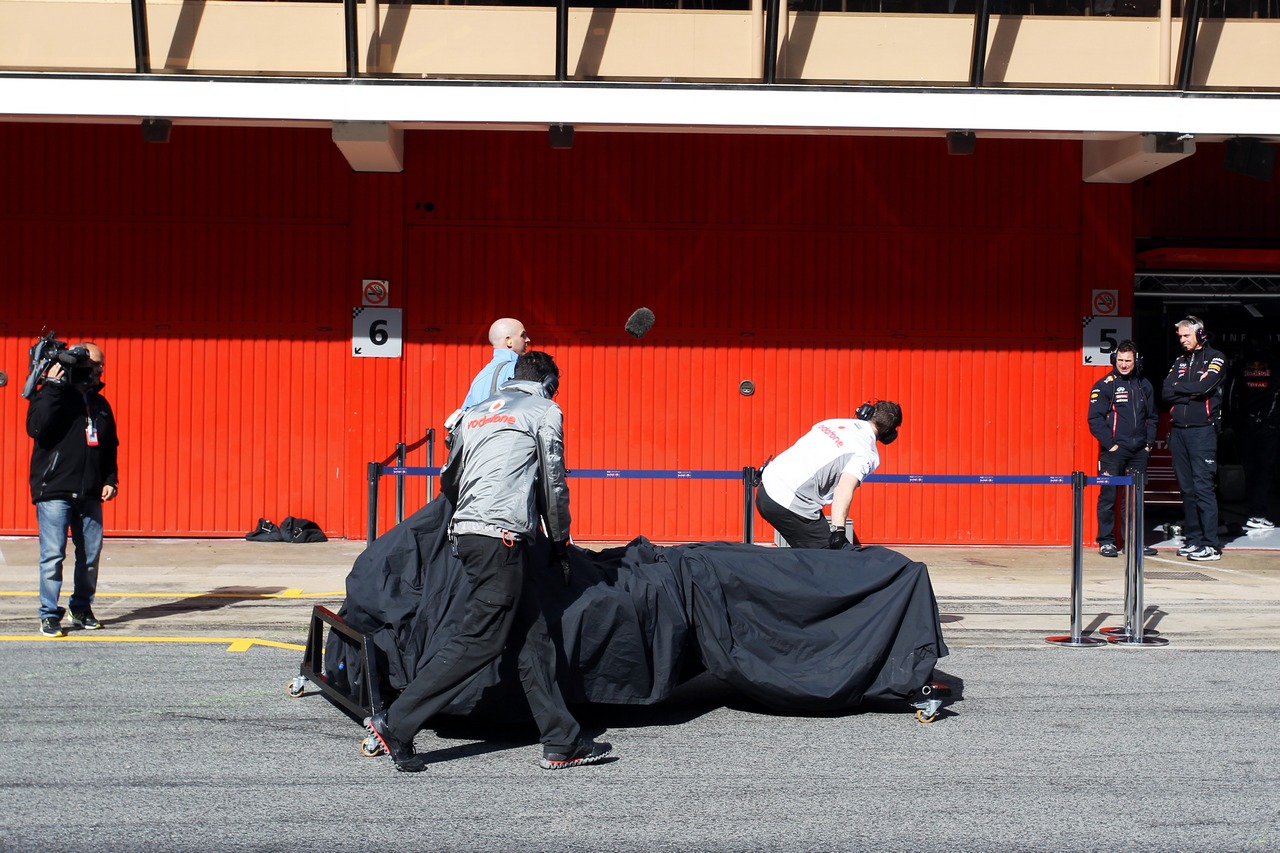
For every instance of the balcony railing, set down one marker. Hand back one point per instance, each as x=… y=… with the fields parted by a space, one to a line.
x=1029 y=43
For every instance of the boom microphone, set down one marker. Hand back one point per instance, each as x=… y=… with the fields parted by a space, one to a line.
x=639 y=323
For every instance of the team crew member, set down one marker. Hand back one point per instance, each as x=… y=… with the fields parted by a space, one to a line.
x=1193 y=390
x=824 y=467
x=1253 y=398
x=73 y=470
x=1123 y=418
x=510 y=341
x=506 y=469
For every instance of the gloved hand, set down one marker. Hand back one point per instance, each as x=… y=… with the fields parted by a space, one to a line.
x=560 y=557
x=838 y=539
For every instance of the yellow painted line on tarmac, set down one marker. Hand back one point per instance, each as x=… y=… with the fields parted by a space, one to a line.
x=288 y=593
x=233 y=644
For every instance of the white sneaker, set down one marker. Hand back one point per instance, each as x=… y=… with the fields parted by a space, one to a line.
x=1258 y=523
x=1205 y=555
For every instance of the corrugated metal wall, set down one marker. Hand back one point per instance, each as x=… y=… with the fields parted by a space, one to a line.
x=1198 y=198
x=219 y=272
x=209 y=270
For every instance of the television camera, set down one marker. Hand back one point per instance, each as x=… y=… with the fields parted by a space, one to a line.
x=77 y=365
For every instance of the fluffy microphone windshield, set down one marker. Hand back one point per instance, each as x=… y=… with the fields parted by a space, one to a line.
x=640 y=322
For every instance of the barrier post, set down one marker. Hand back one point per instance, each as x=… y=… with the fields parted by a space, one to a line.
x=748 y=505
x=1139 y=634
x=431 y=461
x=399 y=483
x=1076 y=640
x=1130 y=568
x=375 y=474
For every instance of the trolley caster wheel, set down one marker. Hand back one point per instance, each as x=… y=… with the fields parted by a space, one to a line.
x=926 y=718
x=296 y=687
x=370 y=747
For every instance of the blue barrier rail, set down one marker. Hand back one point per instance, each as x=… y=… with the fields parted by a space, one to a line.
x=750 y=478
x=676 y=474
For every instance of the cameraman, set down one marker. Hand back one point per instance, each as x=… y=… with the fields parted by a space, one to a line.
x=73 y=470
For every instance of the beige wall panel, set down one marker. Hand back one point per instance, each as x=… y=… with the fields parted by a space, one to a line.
x=850 y=46
x=1238 y=54
x=247 y=37
x=1085 y=51
x=75 y=36
x=603 y=43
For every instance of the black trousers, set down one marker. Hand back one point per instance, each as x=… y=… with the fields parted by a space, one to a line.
x=799 y=532
x=503 y=605
x=1259 y=447
x=1195 y=462
x=1116 y=463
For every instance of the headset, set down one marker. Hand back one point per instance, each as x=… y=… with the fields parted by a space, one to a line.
x=1137 y=356
x=865 y=412
x=1202 y=337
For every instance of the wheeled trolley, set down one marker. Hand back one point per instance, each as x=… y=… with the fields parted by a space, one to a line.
x=358 y=697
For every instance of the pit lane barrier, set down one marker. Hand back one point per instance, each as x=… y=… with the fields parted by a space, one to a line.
x=1132 y=633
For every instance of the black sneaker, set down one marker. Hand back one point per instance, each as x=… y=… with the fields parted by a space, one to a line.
x=85 y=621
x=401 y=752
x=51 y=627
x=586 y=752
x=1109 y=550
x=1148 y=551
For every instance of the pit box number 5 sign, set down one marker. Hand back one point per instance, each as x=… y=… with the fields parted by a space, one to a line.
x=376 y=332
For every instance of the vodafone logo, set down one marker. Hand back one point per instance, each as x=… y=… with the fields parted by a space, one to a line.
x=493 y=417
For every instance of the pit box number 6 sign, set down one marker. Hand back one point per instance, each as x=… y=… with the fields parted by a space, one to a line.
x=376 y=332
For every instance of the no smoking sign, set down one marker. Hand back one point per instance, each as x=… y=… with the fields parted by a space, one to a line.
x=374 y=292
x=1106 y=303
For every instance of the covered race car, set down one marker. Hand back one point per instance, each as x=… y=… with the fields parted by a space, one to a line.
x=796 y=630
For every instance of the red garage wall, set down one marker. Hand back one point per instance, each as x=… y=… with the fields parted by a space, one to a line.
x=219 y=272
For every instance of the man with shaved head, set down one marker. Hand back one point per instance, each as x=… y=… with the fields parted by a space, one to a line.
x=73 y=470
x=509 y=340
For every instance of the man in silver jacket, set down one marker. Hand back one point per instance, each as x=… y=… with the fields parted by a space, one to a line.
x=505 y=471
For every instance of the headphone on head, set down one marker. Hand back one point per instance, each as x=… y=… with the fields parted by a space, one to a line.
x=865 y=412
x=1137 y=356
x=1198 y=325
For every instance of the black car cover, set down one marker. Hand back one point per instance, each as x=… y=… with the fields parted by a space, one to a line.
x=798 y=630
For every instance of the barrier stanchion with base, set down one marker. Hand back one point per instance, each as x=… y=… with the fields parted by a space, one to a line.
x=1076 y=639
x=375 y=474
x=1130 y=566
x=750 y=478
x=1135 y=617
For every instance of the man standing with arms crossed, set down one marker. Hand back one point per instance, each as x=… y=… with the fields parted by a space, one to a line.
x=1123 y=418
x=1193 y=391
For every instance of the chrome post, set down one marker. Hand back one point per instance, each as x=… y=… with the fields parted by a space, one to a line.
x=1140 y=635
x=1076 y=640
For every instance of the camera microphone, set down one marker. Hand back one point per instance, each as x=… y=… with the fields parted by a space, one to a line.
x=639 y=323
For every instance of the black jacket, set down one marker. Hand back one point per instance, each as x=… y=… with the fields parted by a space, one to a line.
x=1193 y=388
x=1122 y=410
x=64 y=464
